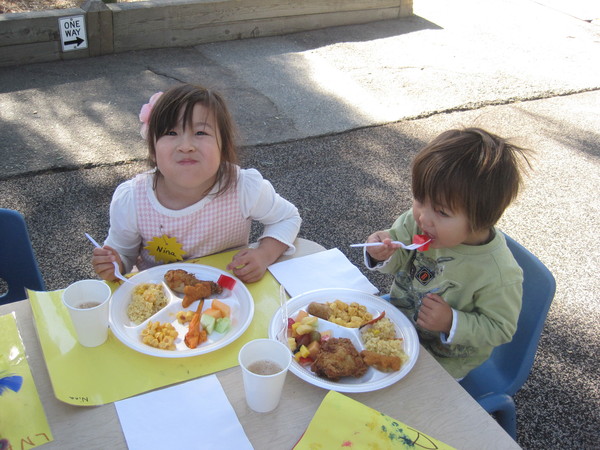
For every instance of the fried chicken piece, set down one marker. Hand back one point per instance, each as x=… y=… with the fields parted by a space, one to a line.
x=338 y=358
x=320 y=310
x=201 y=290
x=178 y=279
x=381 y=362
x=215 y=288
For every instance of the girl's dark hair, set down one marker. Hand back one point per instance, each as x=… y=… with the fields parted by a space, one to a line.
x=471 y=171
x=179 y=101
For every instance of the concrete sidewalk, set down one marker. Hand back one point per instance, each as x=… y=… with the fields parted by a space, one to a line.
x=332 y=118
x=448 y=57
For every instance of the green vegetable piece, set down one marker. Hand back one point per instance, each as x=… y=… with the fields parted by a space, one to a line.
x=208 y=322
x=223 y=325
x=315 y=336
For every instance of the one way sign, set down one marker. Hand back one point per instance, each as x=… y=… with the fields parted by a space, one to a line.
x=72 y=33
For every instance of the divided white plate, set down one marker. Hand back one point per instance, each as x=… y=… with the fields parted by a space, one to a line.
x=240 y=301
x=373 y=379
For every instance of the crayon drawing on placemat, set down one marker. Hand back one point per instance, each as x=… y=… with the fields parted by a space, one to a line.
x=341 y=422
x=23 y=422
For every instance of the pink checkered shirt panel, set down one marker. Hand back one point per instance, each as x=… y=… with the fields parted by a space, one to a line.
x=216 y=226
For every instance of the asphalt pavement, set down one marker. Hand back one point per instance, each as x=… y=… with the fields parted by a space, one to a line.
x=333 y=117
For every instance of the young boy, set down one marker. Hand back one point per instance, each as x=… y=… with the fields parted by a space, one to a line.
x=464 y=292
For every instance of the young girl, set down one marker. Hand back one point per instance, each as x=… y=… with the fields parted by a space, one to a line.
x=464 y=292
x=196 y=201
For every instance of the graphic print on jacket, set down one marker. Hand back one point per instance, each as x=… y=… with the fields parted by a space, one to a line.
x=423 y=277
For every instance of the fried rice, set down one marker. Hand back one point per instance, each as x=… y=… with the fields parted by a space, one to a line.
x=380 y=337
x=146 y=300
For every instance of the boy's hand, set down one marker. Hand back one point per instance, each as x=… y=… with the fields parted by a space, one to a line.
x=381 y=252
x=102 y=261
x=435 y=314
x=250 y=264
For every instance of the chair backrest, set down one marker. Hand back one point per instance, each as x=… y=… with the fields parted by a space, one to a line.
x=18 y=266
x=515 y=359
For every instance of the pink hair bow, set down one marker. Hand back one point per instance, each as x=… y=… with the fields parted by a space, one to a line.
x=145 y=113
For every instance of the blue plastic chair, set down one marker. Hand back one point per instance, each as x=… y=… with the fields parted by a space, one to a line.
x=495 y=382
x=18 y=266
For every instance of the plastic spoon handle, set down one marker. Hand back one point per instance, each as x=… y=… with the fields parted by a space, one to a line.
x=402 y=244
x=93 y=241
x=117 y=271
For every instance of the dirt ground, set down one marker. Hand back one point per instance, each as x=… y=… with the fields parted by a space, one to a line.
x=19 y=6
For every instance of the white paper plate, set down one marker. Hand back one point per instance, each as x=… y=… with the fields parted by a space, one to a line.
x=373 y=379
x=240 y=301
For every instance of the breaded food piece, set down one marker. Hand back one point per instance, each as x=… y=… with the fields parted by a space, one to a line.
x=384 y=363
x=338 y=358
x=178 y=279
x=320 y=310
x=194 y=289
x=215 y=288
x=201 y=289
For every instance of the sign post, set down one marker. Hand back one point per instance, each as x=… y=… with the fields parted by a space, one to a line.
x=72 y=33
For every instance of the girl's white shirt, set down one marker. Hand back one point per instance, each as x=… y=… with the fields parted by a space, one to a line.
x=258 y=201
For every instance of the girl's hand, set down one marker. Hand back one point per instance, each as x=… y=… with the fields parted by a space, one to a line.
x=102 y=261
x=250 y=264
x=381 y=252
x=435 y=314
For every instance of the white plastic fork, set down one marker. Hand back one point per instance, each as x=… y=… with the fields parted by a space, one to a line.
x=402 y=244
x=117 y=271
x=284 y=314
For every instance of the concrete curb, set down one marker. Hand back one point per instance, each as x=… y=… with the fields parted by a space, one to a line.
x=104 y=29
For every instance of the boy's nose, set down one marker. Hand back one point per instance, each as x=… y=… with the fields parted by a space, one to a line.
x=424 y=218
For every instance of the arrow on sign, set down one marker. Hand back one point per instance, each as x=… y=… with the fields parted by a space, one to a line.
x=77 y=41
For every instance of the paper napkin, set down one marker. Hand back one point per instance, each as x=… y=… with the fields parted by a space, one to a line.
x=328 y=269
x=343 y=422
x=195 y=414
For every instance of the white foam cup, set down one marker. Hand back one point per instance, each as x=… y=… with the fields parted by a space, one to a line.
x=263 y=392
x=87 y=302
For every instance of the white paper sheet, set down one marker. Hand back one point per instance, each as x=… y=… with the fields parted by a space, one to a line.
x=195 y=414
x=328 y=269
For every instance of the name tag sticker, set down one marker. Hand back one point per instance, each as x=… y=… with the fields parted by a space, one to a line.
x=165 y=249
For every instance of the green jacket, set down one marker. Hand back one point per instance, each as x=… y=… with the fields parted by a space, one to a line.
x=483 y=284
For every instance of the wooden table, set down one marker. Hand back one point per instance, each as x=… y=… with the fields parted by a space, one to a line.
x=427 y=399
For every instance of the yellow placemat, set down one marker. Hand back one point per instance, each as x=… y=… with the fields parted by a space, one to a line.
x=22 y=419
x=341 y=422
x=113 y=371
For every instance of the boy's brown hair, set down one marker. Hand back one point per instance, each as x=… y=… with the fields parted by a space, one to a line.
x=469 y=171
x=182 y=99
